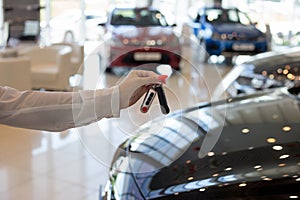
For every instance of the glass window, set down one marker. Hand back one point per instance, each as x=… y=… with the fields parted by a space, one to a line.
x=244 y=19
x=138 y=17
x=233 y=16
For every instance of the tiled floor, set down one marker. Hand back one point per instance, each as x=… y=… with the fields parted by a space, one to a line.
x=39 y=165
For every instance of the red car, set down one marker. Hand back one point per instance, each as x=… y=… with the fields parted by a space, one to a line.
x=138 y=36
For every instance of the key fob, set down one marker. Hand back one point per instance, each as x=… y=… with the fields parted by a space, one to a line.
x=148 y=100
x=162 y=99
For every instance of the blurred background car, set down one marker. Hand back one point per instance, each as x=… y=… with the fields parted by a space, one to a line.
x=137 y=36
x=69 y=22
x=245 y=147
x=265 y=71
x=295 y=39
x=227 y=32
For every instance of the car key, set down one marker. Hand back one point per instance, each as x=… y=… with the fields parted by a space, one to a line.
x=162 y=99
x=148 y=100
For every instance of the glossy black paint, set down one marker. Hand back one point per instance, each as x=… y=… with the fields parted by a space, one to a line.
x=246 y=147
x=268 y=70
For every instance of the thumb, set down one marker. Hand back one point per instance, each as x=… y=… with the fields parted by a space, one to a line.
x=162 y=78
x=154 y=80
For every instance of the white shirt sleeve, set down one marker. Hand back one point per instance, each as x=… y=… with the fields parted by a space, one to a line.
x=57 y=111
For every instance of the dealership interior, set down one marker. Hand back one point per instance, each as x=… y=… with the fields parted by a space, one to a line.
x=37 y=34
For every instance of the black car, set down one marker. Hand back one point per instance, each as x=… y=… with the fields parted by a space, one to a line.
x=264 y=71
x=246 y=147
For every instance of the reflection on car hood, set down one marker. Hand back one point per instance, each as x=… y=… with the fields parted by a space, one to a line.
x=238 y=28
x=234 y=149
x=272 y=58
x=142 y=33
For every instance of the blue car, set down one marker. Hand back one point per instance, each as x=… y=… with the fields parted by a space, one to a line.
x=228 y=32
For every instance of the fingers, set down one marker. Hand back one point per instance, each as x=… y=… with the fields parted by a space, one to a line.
x=144 y=73
x=150 y=77
x=137 y=95
x=136 y=84
x=162 y=78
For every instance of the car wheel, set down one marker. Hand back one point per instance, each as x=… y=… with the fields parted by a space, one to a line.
x=203 y=55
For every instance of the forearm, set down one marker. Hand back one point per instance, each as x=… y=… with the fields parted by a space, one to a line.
x=56 y=111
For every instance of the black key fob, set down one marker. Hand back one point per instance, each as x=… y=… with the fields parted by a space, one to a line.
x=162 y=99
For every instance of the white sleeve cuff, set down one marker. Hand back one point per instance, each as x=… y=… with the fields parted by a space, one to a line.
x=91 y=106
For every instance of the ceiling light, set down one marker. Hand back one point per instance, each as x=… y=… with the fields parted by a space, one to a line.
x=290 y=76
x=277 y=148
x=286 y=128
x=242 y=184
x=281 y=165
x=211 y=153
x=267 y=179
x=284 y=156
x=265 y=73
x=245 y=130
x=228 y=169
x=271 y=140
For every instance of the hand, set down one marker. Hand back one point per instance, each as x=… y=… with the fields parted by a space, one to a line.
x=136 y=84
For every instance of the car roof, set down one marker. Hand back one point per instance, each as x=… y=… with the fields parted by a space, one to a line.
x=237 y=126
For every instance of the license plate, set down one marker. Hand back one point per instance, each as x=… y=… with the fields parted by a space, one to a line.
x=243 y=47
x=147 y=56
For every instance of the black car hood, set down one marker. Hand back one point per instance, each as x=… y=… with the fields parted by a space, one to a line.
x=241 y=30
x=247 y=145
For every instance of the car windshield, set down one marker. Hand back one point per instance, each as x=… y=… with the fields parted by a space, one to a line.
x=226 y=16
x=138 y=17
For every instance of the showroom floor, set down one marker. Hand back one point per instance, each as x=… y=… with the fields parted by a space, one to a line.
x=74 y=163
